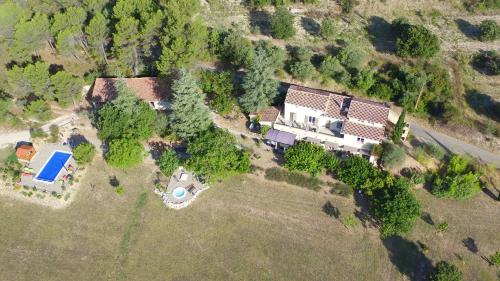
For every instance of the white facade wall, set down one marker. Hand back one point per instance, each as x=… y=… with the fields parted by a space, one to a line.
x=302 y=112
x=363 y=122
x=351 y=140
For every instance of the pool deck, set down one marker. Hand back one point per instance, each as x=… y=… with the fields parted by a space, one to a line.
x=37 y=164
x=191 y=183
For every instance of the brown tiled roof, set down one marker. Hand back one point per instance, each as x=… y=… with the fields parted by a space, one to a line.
x=359 y=130
x=25 y=152
x=368 y=111
x=149 y=89
x=269 y=114
x=327 y=101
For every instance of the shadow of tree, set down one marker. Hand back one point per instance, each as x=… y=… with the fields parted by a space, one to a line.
x=364 y=214
x=427 y=218
x=260 y=20
x=483 y=104
x=157 y=148
x=331 y=210
x=113 y=181
x=310 y=26
x=381 y=35
x=470 y=244
x=490 y=193
x=75 y=139
x=408 y=258
x=468 y=29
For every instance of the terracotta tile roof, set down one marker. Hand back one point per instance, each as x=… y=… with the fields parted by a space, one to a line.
x=359 y=130
x=329 y=102
x=269 y=114
x=149 y=89
x=368 y=111
x=25 y=152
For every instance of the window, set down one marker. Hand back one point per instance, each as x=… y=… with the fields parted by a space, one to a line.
x=312 y=119
x=361 y=140
x=292 y=116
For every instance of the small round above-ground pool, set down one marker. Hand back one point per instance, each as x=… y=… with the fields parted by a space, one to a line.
x=179 y=192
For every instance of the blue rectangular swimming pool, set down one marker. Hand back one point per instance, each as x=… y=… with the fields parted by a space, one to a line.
x=53 y=167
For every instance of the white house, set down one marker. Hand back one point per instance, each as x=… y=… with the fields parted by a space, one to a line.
x=335 y=121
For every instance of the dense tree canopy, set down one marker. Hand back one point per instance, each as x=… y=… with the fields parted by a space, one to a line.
x=305 y=156
x=456 y=179
x=416 y=41
x=282 y=23
x=168 y=162
x=125 y=153
x=445 y=271
x=393 y=155
x=84 y=153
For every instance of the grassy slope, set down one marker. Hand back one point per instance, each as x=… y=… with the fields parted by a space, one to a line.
x=242 y=229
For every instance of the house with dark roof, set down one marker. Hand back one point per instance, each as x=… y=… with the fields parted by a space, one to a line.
x=152 y=90
x=333 y=120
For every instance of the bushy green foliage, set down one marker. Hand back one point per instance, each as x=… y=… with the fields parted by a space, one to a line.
x=393 y=155
x=54 y=133
x=487 y=62
x=416 y=41
x=399 y=128
x=282 y=23
x=302 y=68
x=11 y=168
x=489 y=30
x=215 y=154
x=38 y=133
x=236 y=49
x=495 y=258
x=66 y=87
x=456 y=179
x=445 y=271
x=219 y=87
x=125 y=117
x=264 y=129
x=341 y=189
x=84 y=153
x=276 y=56
x=442 y=227
x=190 y=116
x=481 y=5
x=351 y=57
x=435 y=151
x=382 y=91
x=38 y=109
x=125 y=153
x=305 y=156
x=331 y=68
x=327 y=29
x=331 y=162
x=396 y=208
x=364 y=79
x=414 y=175
x=348 y=5
x=259 y=84
x=355 y=171
x=293 y=178
x=168 y=162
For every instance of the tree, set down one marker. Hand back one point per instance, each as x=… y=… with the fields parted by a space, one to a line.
x=445 y=271
x=393 y=155
x=355 y=171
x=397 y=132
x=382 y=91
x=348 y=5
x=125 y=153
x=67 y=28
x=327 y=29
x=66 y=87
x=126 y=44
x=125 y=117
x=97 y=36
x=30 y=36
x=489 y=30
x=215 y=154
x=282 y=23
x=487 y=62
x=84 y=153
x=39 y=109
x=237 y=50
x=219 y=86
x=331 y=68
x=184 y=39
x=302 y=68
x=275 y=55
x=168 y=162
x=364 y=79
x=38 y=76
x=331 y=162
x=305 y=156
x=259 y=86
x=416 y=41
x=190 y=116
x=456 y=180
x=351 y=57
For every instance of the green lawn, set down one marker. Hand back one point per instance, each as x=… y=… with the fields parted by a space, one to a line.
x=241 y=229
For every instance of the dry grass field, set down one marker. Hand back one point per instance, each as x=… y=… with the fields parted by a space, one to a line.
x=242 y=229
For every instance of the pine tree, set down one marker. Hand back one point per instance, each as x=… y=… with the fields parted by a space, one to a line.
x=125 y=45
x=30 y=37
x=66 y=87
x=190 y=116
x=97 y=36
x=67 y=29
x=259 y=85
x=399 y=128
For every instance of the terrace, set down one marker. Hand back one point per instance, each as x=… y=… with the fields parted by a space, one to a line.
x=182 y=189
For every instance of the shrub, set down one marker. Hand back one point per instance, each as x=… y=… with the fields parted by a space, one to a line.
x=487 y=62
x=351 y=57
x=124 y=153
x=393 y=155
x=489 y=30
x=445 y=271
x=495 y=258
x=381 y=90
x=435 y=151
x=348 y=5
x=420 y=155
x=349 y=221
x=355 y=171
x=331 y=68
x=377 y=150
x=331 y=162
x=36 y=133
x=302 y=70
x=364 y=79
x=442 y=227
x=84 y=153
x=120 y=190
x=54 y=133
x=168 y=162
x=219 y=87
x=264 y=129
x=416 y=41
x=282 y=23
x=327 y=29
x=236 y=49
x=414 y=175
x=456 y=180
x=39 y=109
x=305 y=156
x=293 y=178
x=341 y=189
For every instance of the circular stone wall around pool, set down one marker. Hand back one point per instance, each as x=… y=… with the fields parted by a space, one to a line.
x=179 y=192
